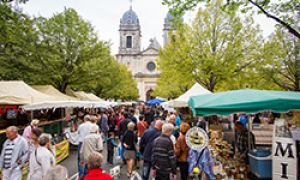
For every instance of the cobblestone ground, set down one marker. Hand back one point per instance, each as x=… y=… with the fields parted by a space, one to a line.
x=71 y=164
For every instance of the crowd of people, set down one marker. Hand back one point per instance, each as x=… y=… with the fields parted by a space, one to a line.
x=152 y=136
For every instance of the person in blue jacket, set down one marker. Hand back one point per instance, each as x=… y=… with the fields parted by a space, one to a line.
x=146 y=145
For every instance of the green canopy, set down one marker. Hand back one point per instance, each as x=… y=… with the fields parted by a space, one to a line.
x=245 y=100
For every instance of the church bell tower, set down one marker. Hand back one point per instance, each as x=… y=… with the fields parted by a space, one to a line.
x=130 y=33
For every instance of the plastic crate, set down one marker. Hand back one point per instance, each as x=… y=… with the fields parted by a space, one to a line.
x=261 y=163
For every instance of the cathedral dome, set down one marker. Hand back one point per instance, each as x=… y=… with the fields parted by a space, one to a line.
x=168 y=18
x=130 y=17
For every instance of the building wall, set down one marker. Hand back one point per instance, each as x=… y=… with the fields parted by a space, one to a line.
x=137 y=64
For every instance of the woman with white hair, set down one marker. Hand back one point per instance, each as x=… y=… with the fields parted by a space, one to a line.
x=129 y=142
x=42 y=159
x=57 y=173
x=95 y=172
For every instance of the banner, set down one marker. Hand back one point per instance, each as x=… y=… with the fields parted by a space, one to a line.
x=284 y=152
x=196 y=138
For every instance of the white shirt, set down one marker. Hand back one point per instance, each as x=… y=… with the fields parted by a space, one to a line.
x=41 y=160
x=84 y=130
x=173 y=139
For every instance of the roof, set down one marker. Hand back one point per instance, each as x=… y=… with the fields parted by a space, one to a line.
x=81 y=95
x=130 y=17
x=154 y=44
x=51 y=91
x=20 y=93
x=246 y=101
x=182 y=101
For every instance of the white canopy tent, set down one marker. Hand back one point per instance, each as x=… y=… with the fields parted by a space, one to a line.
x=64 y=104
x=83 y=96
x=19 y=93
x=182 y=101
x=51 y=91
x=87 y=100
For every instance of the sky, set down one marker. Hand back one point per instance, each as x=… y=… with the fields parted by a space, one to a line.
x=105 y=16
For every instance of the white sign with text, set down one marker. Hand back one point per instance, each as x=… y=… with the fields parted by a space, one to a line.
x=284 y=153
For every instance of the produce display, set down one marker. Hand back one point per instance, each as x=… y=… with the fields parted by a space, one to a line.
x=229 y=165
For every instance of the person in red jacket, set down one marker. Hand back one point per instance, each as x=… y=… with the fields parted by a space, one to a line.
x=95 y=171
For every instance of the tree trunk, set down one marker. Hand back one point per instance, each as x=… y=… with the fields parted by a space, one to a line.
x=297 y=68
x=212 y=82
x=297 y=76
x=63 y=87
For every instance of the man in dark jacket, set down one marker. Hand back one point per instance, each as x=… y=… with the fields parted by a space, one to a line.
x=163 y=158
x=146 y=145
x=122 y=131
x=149 y=115
x=123 y=126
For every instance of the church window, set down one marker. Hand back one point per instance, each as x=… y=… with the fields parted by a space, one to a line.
x=151 y=66
x=129 y=42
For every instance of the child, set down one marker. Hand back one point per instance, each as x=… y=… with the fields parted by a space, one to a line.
x=111 y=144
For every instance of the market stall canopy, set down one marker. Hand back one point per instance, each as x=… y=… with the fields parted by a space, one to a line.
x=64 y=104
x=182 y=101
x=51 y=91
x=154 y=101
x=126 y=103
x=19 y=93
x=245 y=100
x=81 y=95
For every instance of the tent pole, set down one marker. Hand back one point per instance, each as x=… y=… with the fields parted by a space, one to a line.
x=249 y=132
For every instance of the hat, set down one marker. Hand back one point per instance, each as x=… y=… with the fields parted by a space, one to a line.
x=184 y=127
x=34 y=122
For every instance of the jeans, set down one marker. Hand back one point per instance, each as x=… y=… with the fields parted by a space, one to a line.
x=184 y=170
x=110 y=156
x=80 y=168
x=146 y=170
x=85 y=170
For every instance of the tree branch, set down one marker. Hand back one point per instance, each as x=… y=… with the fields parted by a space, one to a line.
x=290 y=28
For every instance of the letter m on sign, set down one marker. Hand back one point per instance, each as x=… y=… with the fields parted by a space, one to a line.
x=288 y=149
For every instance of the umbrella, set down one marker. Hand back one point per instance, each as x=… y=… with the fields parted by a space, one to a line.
x=245 y=100
x=154 y=101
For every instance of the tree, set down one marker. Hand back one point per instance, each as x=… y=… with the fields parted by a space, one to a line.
x=63 y=50
x=219 y=50
x=283 y=12
x=283 y=55
x=175 y=78
x=70 y=45
x=17 y=45
x=115 y=82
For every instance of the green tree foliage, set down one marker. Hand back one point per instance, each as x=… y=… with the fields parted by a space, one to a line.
x=70 y=45
x=175 y=77
x=282 y=12
x=64 y=51
x=283 y=54
x=17 y=45
x=219 y=50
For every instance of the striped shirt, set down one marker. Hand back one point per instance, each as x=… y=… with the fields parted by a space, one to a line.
x=8 y=154
x=163 y=156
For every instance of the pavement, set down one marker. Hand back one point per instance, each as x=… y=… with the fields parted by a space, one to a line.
x=71 y=164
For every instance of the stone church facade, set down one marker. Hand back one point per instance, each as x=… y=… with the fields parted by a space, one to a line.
x=142 y=63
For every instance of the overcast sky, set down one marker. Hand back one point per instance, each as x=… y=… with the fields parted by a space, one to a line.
x=105 y=16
